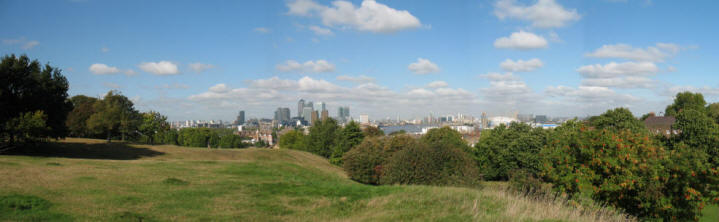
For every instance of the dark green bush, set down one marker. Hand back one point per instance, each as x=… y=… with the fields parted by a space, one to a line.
x=426 y=164
x=506 y=149
x=363 y=163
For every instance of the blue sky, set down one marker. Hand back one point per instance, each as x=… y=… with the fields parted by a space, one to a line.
x=209 y=59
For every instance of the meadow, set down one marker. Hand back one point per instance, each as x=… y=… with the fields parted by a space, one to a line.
x=90 y=180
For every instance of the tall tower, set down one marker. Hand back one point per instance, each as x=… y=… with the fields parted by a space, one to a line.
x=300 y=107
x=485 y=121
x=241 y=117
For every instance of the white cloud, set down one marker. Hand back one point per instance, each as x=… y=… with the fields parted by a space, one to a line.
x=130 y=72
x=597 y=96
x=262 y=30
x=542 y=14
x=493 y=76
x=521 y=65
x=705 y=90
x=160 y=68
x=423 y=66
x=219 y=88
x=172 y=86
x=437 y=84
x=200 y=67
x=522 y=41
x=318 y=66
x=321 y=31
x=22 y=42
x=274 y=83
x=102 y=69
x=613 y=69
x=370 y=16
x=657 y=53
x=627 y=82
x=111 y=85
x=356 y=79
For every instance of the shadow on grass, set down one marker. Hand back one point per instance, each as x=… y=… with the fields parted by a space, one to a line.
x=107 y=151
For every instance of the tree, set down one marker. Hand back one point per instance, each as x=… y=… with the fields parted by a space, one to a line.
x=685 y=101
x=294 y=139
x=350 y=136
x=505 y=150
x=698 y=131
x=445 y=136
x=77 y=118
x=618 y=119
x=26 y=87
x=371 y=131
x=113 y=114
x=713 y=111
x=153 y=123
x=323 y=137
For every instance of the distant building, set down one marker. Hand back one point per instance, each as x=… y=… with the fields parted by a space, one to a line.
x=343 y=113
x=661 y=125
x=325 y=114
x=541 y=119
x=322 y=106
x=307 y=114
x=300 y=108
x=282 y=115
x=525 y=118
x=241 y=117
x=499 y=120
x=485 y=121
x=364 y=119
x=315 y=117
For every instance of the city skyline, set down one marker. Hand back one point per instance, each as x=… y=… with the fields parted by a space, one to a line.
x=380 y=58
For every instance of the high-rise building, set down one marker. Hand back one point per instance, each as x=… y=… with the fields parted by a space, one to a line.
x=364 y=119
x=343 y=113
x=322 y=106
x=325 y=115
x=307 y=114
x=241 y=117
x=541 y=119
x=282 y=115
x=315 y=117
x=485 y=121
x=300 y=107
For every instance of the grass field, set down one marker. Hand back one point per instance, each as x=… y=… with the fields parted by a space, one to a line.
x=89 y=180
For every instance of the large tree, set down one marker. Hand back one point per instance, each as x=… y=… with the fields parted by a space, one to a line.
x=323 y=137
x=153 y=123
x=350 y=136
x=618 y=119
x=77 y=119
x=114 y=114
x=31 y=92
x=685 y=101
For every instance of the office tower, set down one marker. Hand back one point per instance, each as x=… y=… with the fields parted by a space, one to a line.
x=541 y=119
x=307 y=114
x=325 y=114
x=321 y=106
x=364 y=119
x=285 y=114
x=485 y=121
x=310 y=104
x=314 y=118
x=241 y=117
x=300 y=107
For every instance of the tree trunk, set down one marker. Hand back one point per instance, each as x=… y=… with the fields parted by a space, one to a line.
x=109 y=137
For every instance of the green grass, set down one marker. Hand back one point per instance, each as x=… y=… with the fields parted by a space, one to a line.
x=710 y=214
x=169 y=183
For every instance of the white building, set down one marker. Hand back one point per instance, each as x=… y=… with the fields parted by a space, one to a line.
x=498 y=120
x=364 y=119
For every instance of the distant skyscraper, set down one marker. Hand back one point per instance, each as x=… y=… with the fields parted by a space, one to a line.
x=485 y=121
x=282 y=114
x=300 y=107
x=364 y=119
x=541 y=119
x=343 y=113
x=314 y=118
x=321 y=106
x=307 y=114
x=325 y=115
x=241 y=117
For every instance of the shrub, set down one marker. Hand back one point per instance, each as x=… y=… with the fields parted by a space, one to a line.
x=363 y=163
x=506 y=149
x=294 y=139
x=427 y=164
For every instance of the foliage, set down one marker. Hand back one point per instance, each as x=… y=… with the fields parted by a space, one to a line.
x=372 y=131
x=431 y=164
x=363 y=163
x=350 y=136
x=399 y=132
x=628 y=170
x=446 y=136
x=618 y=119
x=232 y=141
x=294 y=139
x=153 y=123
x=77 y=119
x=26 y=127
x=713 y=111
x=698 y=131
x=27 y=88
x=686 y=101
x=503 y=150
x=322 y=137
x=114 y=114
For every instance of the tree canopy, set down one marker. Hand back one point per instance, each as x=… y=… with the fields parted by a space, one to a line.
x=685 y=101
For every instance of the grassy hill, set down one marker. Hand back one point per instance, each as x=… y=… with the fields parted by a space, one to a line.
x=89 y=180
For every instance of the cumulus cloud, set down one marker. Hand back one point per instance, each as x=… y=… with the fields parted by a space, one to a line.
x=592 y=95
x=321 y=31
x=112 y=85
x=521 y=65
x=493 y=76
x=356 y=79
x=613 y=69
x=219 y=88
x=522 y=41
x=626 y=82
x=658 y=53
x=159 y=68
x=200 y=67
x=102 y=69
x=274 y=83
x=423 y=66
x=22 y=42
x=130 y=72
x=542 y=14
x=437 y=84
x=370 y=16
x=318 y=66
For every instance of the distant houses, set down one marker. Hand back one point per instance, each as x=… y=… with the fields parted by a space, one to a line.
x=661 y=125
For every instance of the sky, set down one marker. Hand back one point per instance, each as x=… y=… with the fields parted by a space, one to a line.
x=206 y=60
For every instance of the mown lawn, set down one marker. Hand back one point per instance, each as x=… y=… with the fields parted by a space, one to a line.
x=168 y=183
